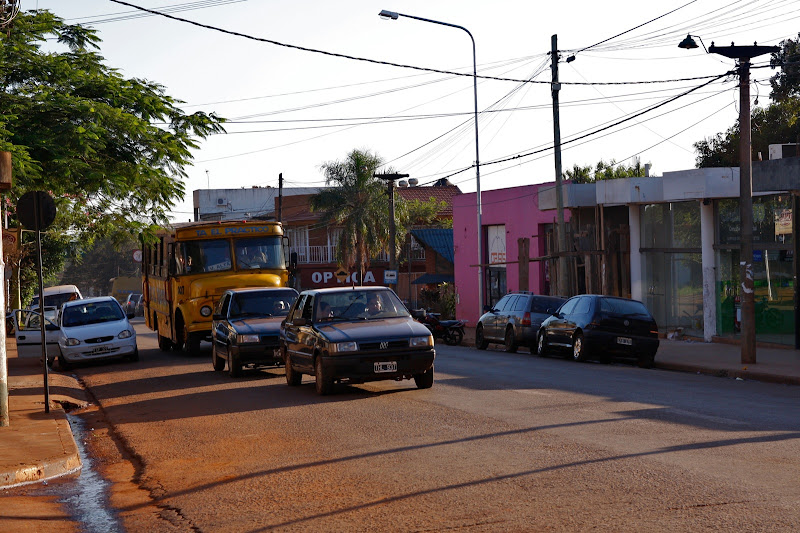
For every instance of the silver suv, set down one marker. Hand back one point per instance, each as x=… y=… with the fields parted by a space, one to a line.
x=514 y=321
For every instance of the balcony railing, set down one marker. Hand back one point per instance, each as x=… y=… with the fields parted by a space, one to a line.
x=327 y=254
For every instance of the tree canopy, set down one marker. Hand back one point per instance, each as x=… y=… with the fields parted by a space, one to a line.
x=110 y=150
x=604 y=171
x=774 y=124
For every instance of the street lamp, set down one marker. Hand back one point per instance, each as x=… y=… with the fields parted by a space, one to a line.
x=743 y=54
x=393 y=15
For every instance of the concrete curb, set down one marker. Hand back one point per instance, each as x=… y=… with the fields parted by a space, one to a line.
x=729 y=373
x=47 y=468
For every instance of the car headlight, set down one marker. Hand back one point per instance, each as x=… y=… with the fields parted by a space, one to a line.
x=124 y=334
x=205 y=310
x=349 y=346
x=418 y=342
x=72 y=342
x=246 y=339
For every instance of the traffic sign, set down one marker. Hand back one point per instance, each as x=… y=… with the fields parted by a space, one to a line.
x=389 y=277
x=27 y=210
x=137 y=256
x=341 y=275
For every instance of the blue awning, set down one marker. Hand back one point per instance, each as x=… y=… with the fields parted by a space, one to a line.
x=434 y=279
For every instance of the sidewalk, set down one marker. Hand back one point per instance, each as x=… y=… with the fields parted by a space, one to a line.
x=37 y=446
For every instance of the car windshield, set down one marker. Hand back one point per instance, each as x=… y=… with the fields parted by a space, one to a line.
x=91 y=313
x=358 y=305
x=261 y=304
x=623 y=307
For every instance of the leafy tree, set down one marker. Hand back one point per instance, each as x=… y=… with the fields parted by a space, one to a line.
x=356 y=202
x=110 y=150
x=604 y=171
x=775 y=124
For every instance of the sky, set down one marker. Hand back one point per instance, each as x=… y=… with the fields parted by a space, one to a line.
x=295 y=103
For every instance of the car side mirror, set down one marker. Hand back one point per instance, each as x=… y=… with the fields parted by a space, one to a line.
x=300 y=322
x=486 y=308
x=216 y=316
x=130 y=315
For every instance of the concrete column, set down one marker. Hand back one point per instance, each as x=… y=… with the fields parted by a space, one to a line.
x=637 y=284
x=709 y=270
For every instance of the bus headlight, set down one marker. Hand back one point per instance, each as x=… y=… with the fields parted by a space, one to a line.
x=205 y=310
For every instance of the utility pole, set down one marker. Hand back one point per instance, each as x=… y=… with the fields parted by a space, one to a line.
x=562 y=233
x=280 y=197
x=744 y=54
x=390 y=179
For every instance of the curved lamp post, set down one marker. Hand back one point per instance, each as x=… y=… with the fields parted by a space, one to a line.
x=743 y=54
x=393 y=15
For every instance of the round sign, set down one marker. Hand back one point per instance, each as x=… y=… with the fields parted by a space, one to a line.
x=137 y=256
x=27 y=210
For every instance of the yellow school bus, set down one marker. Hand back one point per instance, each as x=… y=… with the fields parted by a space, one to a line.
x=191 y=264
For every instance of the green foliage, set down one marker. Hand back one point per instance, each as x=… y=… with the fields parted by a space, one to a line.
x=94 y=269
x=110 y=150
x=603 y=171
x=786 y=83
x=357 y=203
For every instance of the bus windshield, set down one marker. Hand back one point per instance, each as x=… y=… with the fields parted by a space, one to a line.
x=259 y=252
x=194 y=257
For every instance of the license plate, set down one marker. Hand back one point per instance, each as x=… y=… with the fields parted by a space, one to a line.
x=390 y=366
x=100 y=350
x=624 y=340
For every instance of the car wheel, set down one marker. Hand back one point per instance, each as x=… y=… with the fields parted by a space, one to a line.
x=135 y=355
x=164 y=344
x=424 y=380
x=63 y=364
x=293 y=377
x=324 y=381
x=216 y=361
x=541 y=344
x=480 y=341
x=578 y=347
x=647 y=360
x=234 y=366
x=511 y=340
x=191 y=343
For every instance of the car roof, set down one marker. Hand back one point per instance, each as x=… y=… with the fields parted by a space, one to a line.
x=333 y=290
x=89 y=301
x=240 y=290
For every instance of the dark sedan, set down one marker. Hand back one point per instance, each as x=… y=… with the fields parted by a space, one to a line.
x=593 y=326
x=355 y=335
x=246 y=328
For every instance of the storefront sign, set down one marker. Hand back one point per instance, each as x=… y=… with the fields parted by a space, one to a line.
x=496 y=236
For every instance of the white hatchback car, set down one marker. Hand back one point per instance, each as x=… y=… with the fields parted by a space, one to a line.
x=95 y=328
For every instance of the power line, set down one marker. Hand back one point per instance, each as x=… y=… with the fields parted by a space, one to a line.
x=391 y=64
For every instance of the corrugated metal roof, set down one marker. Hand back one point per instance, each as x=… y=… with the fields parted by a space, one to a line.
x=440 y=239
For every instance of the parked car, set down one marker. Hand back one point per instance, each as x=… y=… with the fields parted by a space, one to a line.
x=594 y=326
x=133 y=304
x=355 y=335
x=515 y=320
x=93 y=329
x=57 y=295
x=246 y=328
x=26 y=327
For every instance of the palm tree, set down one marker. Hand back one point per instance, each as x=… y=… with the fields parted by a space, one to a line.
x=357 y=203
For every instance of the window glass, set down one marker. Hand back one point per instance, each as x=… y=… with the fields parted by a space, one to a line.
x=360 y=304
x=569 y=306
x=308 y=308
x=297 y=308
x=222 y=306
x=91 y=313
x=259 y=252
x=543 y=304
x=502 y=303
x=583 y=306
x=623 y=307
x=772 y=220
x=262 y=303
x=521 y=303
x=195 y=257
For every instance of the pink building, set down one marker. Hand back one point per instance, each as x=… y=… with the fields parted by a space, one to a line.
x=508 y=215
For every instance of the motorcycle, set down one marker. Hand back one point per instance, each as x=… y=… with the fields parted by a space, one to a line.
x=451 y=331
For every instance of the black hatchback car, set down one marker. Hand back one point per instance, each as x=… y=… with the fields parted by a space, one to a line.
x=594 y=326
x=355 y=335
x=514 y=321
x=246 y=327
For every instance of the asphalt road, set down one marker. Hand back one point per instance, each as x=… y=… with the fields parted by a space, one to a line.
x=508 y=442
